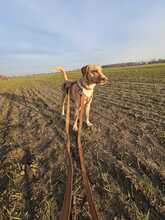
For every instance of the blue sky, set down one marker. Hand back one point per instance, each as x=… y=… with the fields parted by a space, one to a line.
x=36 y=35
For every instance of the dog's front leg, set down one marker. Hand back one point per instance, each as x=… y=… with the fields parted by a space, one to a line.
x=87 y=110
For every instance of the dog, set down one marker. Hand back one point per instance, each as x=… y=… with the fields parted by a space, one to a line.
x=91 y=76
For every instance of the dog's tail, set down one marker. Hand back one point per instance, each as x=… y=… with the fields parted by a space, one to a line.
x=61 y=69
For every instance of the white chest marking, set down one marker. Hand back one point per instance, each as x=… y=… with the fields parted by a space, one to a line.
x=87 y=92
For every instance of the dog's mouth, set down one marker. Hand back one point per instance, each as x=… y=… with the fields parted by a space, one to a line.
x=103 y=81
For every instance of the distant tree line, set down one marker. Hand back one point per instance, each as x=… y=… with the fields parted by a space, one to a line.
x=135 y=63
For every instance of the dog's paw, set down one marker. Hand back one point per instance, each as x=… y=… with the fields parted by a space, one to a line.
x=89 y=124
x=75 y=128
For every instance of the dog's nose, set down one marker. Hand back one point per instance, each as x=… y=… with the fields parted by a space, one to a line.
x=104 y=78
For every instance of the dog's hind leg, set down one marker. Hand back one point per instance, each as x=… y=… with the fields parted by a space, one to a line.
x=76 y=116
x=63 y=104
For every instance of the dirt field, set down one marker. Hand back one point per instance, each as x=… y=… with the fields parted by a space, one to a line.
x=124 y=152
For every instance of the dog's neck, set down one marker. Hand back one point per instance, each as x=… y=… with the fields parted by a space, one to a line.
x=87 y=89
x=87 y=85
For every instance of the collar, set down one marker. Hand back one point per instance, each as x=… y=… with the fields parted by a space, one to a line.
x=82 y=86
x=88 y=92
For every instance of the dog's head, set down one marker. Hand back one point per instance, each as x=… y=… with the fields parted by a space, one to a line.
x=93 y=74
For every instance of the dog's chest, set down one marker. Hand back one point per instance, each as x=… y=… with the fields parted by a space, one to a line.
x=87 y=92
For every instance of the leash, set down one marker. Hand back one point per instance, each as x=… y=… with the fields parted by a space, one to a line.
x=86 y=183
x=66 y=208
x=67 y=203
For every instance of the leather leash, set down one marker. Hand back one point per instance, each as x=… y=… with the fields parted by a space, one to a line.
x=67 y=203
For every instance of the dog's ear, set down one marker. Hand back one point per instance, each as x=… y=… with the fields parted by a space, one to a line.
x=84 y=70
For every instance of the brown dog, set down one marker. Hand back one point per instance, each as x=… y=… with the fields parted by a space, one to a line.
x=91 y=75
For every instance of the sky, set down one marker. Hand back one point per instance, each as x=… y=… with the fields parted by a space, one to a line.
x=37 y=35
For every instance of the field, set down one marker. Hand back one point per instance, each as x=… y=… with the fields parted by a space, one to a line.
x=124 y=152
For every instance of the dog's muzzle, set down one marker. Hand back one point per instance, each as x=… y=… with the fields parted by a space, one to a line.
x=103 y=80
